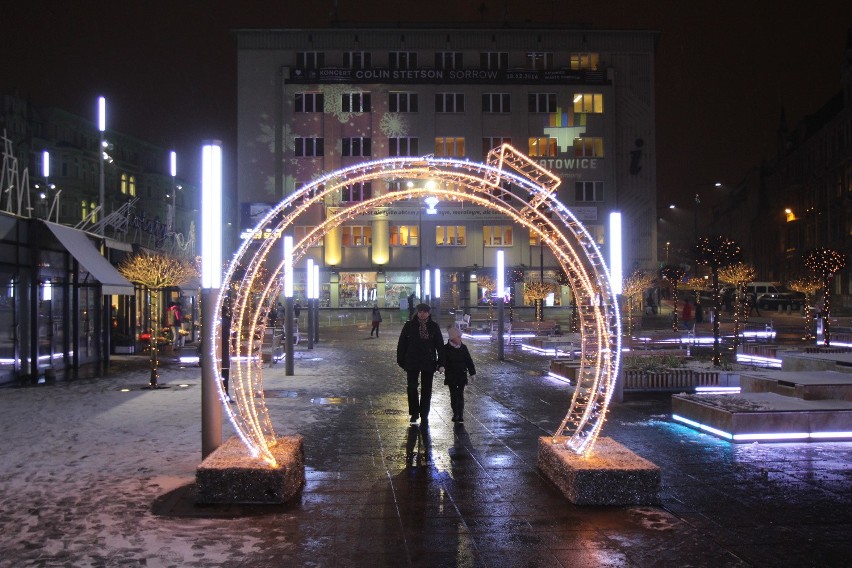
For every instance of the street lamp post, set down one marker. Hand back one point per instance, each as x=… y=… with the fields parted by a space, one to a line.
x=211 y=281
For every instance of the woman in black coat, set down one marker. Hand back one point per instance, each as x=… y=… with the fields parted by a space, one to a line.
x=419 y=351
x=457 y=364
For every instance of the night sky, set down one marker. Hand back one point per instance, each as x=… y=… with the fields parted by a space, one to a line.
x=724 y=69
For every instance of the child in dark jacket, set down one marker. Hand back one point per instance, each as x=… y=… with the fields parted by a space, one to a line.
x=457 y=364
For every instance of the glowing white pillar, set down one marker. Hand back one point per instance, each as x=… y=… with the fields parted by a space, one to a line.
x=211 y=280
x=289 y=328
x=501 y=294
x=101 y=190
x=615 y=248
x=309 y=291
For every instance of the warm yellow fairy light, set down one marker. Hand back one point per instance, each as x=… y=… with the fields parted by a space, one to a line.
x=539 y=212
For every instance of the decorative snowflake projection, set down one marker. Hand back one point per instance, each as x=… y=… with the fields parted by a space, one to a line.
x=393 y=125
x=267 y=133
x=333 y=100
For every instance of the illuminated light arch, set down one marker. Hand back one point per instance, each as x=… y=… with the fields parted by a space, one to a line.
x=536 y=209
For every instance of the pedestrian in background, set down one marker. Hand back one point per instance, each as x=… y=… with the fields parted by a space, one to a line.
x=687 y=314
x=419 y=351
x=457 y=364
x=376 y=320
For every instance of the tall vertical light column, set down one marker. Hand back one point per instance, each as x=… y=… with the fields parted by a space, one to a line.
x=436 y=294
x=501 y=294
x=211 y=281
x=173 y=170
x=288 y=306
x=315 y=331
x=101 y=190
x=309 y=278
x=427 y=288
x=616 y=270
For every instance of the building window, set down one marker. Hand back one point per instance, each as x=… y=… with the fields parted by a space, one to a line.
x=309 y=102
x=128 y=185
x=539 y=60
x=494 y=60
x=355 y=102
x=496 y=102
x=404 y=236
x=450 y=236
x=589 y=61
x=402 y=101
x=588 y=102
x=497 y=235
x=448 y=60
x=310 y=59
x=355 y=147
x=449 y=102
x=360 y=191
x=357 y=59
x=588 y=191
x=502 y=193
x=308 y=147
x=542 y=147
x=357 y=235
x=588 y=148
x=491 y=142
x=300 y=232
x=298 y=185
x=542 y=102
x=402 y=60
x=402 y=146
x=88 y=208
x=449 y=147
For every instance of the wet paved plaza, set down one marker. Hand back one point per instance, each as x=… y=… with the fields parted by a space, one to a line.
x=94 y=476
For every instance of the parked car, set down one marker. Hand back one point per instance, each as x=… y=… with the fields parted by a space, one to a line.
x=772 y=295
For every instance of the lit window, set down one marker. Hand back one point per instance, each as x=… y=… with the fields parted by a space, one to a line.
x=355 y=102
x=402 y=101
x=588 y=102
x=449 y=102
x=497 y=235
x=542 y=147
x=496 y=102
x=360 y=191
x=402 y=146
x=448 y=60
x=450 y=235
x=588 y=147
x=542 y=102
x=588 y=191
x=494 y=60
x=539 y=60
x=404 y=236
x=357 y=235
x=310 y=59
x=131 y=186
x=585 y=61
x=402 y=60
x=357 y=59
x=449 y=147
x=124 y=184
x=309 y=102
x=308 y=147
x=355 y=147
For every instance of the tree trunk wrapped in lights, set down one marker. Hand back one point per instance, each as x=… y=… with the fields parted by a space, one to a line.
x=715 y=253
x=535 y=292
x=807 y=285
x=739 y=275
x=156 y=272
x=825 y=263
x=487 y=284
x=673 y=274
x=633 y=288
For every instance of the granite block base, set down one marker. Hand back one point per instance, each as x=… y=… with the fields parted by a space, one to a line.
x=610 y=475
x=230 y=475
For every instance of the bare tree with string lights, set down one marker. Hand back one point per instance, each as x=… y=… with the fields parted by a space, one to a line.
x=825 y=263
x=807 y=285
x=738 y=274
x=633 y=288
x=673 y=274
x=715 y=253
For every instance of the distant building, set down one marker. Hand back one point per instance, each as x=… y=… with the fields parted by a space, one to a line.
x=578 y=101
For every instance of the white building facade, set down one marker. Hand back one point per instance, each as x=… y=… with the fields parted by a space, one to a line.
x=577 y=101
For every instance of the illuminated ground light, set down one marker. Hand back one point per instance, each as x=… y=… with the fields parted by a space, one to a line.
x=765 y=436
x=533 y=206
